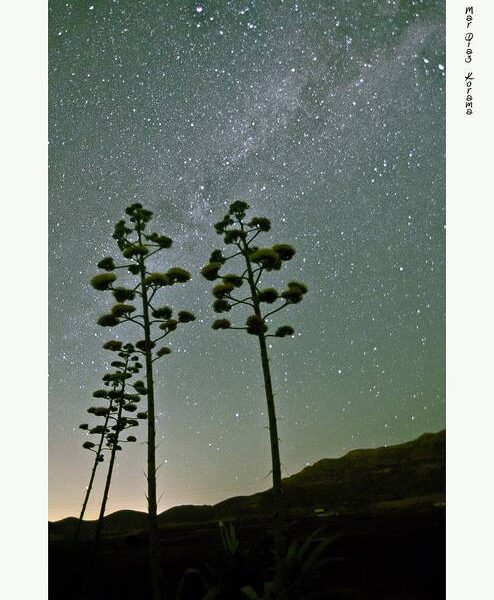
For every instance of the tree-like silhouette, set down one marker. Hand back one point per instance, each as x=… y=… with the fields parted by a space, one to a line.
x=262 y=303
x=120 y=400
x=155 y=321
x=116 y=400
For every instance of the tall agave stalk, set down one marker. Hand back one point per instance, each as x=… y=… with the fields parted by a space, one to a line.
x=137 y=248
x=125 y=368
x=254 y=262
x=114 y=381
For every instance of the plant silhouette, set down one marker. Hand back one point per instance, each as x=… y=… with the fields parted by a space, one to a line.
x=117 y=401
x=240 y=232
x=121 y=401
x=154 y=321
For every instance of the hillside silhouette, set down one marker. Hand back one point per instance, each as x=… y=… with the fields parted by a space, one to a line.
x=411 y=473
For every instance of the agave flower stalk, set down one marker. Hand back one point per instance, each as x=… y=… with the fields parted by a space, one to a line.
x=113 y=380
x=261 y=303
x=125 y=401
x=155 y=322
x=97 y=460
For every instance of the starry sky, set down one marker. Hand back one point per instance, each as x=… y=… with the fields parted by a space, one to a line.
x=328 y=118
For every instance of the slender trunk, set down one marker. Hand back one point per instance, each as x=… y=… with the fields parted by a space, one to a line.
x=278 y=507
x=90 y=484
x=153 y=532
x=86 y=498
x=99 y=524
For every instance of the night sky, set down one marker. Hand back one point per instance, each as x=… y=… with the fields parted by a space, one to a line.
x=328 y=118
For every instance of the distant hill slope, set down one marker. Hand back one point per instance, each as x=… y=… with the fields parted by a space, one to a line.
x=358 y=479
x=355 y=481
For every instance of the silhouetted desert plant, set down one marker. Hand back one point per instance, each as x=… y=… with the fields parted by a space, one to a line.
x=262 y=303
x=301 y=563
x=120 y=400
x=115 y=382
x=234 y=579
x=156 y=322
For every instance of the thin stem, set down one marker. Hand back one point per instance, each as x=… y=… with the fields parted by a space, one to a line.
x=99 y=525
x=261 y=269
x=276 y=310
x=258 y=231
x=91 y=478
x=278 y=509
x=161 y=337
x=133 y=321
x=154 y=549
x=244 y=301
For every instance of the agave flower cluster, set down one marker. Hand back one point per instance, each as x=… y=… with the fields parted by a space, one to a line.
x=137 y=246
x=229 y=292
x=118 y=400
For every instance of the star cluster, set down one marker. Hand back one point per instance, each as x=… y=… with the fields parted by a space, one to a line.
x=328 y=118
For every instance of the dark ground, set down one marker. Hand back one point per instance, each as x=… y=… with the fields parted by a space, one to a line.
x=392 y=553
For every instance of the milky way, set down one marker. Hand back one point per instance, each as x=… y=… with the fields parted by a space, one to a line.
x=328 y=118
